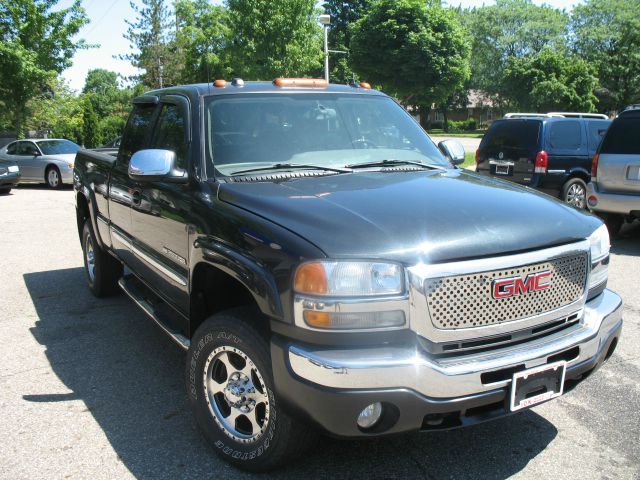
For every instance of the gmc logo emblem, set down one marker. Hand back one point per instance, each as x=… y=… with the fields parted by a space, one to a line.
x=510 y=287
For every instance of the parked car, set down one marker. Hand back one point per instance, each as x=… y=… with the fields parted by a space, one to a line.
x=43 y=160
x=110 y=148
x=9 y=175
x=550 y=153
x=614 y=191
x=326 y=266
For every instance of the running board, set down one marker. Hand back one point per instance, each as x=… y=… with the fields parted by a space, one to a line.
x=136 y=292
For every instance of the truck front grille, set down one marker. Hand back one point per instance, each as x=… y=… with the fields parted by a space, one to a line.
x=466 y=301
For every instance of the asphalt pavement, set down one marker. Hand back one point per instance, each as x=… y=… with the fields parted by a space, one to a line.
x=91 y=389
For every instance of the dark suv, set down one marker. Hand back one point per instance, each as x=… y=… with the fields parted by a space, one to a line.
x=549 y=153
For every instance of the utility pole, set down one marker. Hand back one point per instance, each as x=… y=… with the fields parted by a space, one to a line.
x=325 y=20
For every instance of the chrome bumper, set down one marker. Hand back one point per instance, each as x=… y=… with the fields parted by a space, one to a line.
x=457 y=376
x=613 y=203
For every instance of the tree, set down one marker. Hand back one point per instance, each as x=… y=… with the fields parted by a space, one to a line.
x=274 y=38
x=153 y=44
x=202 y=36
x=101 y=87
x=549 y=81
x=343 y=14
x=607 y=34
x=510 y=28
x=90 y=134
x=415 y=51
x=36 y=43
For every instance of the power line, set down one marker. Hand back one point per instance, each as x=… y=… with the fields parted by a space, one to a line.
x=102 y=17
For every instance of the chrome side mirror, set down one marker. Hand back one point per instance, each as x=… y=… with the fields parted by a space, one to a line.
x=154 y=165
x=453 y=150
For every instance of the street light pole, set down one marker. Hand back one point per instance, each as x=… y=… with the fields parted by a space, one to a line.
x=325 y=20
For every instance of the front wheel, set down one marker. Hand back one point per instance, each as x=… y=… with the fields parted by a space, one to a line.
x=231 y=391
x=574 y=192
x=54 y=180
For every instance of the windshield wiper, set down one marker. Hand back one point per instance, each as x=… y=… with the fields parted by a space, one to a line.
x=392 y=162
x=291 y=166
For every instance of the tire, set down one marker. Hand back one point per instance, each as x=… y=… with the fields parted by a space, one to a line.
x=265 y=437
x=53 y=178
x=101 y=269
x=614 y=223
x=5 y=190
x=574 y=192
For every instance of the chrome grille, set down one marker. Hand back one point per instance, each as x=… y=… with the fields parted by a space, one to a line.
x=465 y=301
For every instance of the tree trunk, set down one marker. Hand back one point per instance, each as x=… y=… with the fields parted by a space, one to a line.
x=424 y=116
x=445 y=122
x=17 y=121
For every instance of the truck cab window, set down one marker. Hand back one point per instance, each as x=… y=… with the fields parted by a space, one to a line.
x=136 y=133
x=170 y=133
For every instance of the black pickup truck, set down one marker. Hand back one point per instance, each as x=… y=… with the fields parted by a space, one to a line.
x=328 y=268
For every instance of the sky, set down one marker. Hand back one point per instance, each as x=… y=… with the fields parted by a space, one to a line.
x=108 y=26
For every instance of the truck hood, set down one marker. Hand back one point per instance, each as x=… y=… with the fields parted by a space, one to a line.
x=428 y=216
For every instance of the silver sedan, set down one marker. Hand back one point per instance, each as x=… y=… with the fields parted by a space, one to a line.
x=48 y=160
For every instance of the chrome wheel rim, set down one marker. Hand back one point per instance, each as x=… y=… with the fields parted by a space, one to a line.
x=236 y=394
x=89 y=256
x=53 y=178
x=576 y=195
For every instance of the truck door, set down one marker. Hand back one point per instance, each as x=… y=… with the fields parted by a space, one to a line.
x=121 y=188
x=160 y=211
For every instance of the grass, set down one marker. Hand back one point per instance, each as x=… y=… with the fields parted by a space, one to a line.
x=471 y=134
x=469 y=159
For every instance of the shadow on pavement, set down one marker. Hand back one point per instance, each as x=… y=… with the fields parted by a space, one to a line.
x=628 y=241
x=130 y=377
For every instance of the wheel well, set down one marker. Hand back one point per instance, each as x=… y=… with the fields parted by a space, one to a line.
x=213 y=290
x=82 y=211
x=581 y=175
x=46 y=170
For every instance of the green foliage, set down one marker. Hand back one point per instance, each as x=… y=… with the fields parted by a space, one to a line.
x=155 y=50
x=202 y=37
x=111 y=127
x=606 y=33
x=90 y=132
x=59 y=112
x=510 y=28
x=343 y=13
x=416 y=51
x=36 y=43
x=468 y=125
x=549 y=81
x=274 y=38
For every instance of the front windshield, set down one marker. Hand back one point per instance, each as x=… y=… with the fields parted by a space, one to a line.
x=57 y=147
x=322 y=129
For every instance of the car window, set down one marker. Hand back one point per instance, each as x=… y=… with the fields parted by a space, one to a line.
x=522 y=134
x=170 y=133
x=12 y=149
x=136 y=134
x=26 y=148
x=565 y=135
x=58 y=147
x=623 y=137
x=596 y=131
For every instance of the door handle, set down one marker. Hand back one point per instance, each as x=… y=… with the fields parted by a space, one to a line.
x=136 y=197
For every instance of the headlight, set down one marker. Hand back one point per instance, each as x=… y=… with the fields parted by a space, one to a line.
x=349 y=279
x=13 y=168
x=599 y=245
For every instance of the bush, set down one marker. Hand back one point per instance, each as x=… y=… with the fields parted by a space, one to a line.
x=463 y=126
x=436 y=125
x=111 y=127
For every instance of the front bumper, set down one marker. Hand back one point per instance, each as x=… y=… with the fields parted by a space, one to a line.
x=9 y=179
x=420 y=391
x=613 y=203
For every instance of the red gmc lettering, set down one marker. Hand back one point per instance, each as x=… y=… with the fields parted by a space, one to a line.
x=509 y=287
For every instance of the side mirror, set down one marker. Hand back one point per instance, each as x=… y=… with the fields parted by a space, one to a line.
x=453 y=150
x=153 y=165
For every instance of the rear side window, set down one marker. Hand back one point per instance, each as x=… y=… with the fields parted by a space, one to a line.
x=11 y=149
x=136 y=133
x=623 y=137
x=565 y=135
x=513 y=133
x=170 y=133
x=596 y=131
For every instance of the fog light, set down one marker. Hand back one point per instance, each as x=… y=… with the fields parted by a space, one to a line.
x=370 y=415
x=593 y=200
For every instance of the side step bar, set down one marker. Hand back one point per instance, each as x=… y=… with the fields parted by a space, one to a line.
x=135 y=290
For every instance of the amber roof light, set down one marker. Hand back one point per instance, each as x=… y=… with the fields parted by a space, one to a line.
x=300 y=82
x=220 y=83
x=365 y=85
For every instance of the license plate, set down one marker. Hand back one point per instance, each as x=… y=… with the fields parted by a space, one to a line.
x=502 y=169
x=633 y=173
x=537 y=385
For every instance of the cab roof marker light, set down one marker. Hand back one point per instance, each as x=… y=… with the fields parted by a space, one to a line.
x=220 y=83
x=237 y=82
x=365 y=85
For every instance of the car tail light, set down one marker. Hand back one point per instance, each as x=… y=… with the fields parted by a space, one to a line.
x=477 y=156
x=594 y=166
x=542 y=162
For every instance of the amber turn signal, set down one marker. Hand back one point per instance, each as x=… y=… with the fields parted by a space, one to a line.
x=365 y=85
x=317 y=319
x=220 y=83
x=300 y=82
x=311 y=278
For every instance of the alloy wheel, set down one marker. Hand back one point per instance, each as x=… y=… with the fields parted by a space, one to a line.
x=576 y=195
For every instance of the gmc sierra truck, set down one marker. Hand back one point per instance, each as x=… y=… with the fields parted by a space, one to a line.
x=328 y=268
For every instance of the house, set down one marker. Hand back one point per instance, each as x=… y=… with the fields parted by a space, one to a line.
x=479 y=106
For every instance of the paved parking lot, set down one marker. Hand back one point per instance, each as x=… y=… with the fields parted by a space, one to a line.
x=91 y=389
